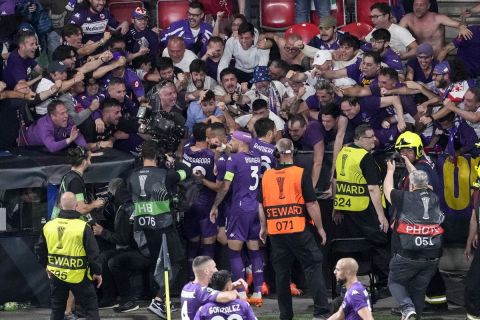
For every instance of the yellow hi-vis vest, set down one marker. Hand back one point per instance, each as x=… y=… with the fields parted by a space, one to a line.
x=352 y=189
x=67 y=258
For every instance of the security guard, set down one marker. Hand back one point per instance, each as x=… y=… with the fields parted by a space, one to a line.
x=68 y=249
x=416 y=240
x=410 y=147
x=285 y=199
x=358 y=199
x=151 y=187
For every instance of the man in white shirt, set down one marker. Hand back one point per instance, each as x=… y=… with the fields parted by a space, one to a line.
x=260 y=110
x=199 y=81
x=181 y=57
x=401 y=39
x=244 y=50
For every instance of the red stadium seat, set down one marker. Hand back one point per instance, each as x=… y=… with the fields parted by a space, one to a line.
x=363 y=9
x=277 y=14
x=122 y=10
x=357 y=29
x=306 y=30
x=214 y=6
x=339 y=13
x=170 y=11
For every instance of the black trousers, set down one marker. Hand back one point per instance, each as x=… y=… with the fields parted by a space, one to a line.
x=472 y=287
x=301 y=246
x=84 y=293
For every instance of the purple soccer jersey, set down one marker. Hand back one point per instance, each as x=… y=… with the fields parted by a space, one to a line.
x=356 y=298
x=17 y=68
x=243 y=169
x=354 y=72
x=234 y=310
x=193 y=296
x=203 y=161
x=265 y=151
x=93 y=24
x=221 y=165
x=132 y=82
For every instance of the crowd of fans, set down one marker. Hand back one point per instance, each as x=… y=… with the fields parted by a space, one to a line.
x=103 y=74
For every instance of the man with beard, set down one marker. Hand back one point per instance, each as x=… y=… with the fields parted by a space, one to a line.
x=356 y=304
x=245 y=52
x=55 y=130
x=380 y=42
x=429 y=26
x=329 y=36
x=420 y=68
x=259 y=111
x=215 y=47
x=229 y=90
x=278 y=69
x=203 y=110
x=402 y=40
x=139 y=36
x=94 y=20
x=21 y=62
x=199 y=81
x=193 y=30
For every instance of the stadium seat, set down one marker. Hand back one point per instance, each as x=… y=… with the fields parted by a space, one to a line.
x=339 y=13
x=362 y=8
x=359 y=249
x=214 y=6
x=122 y=10
x=306 y=30
x=357 y=29
x=277 y=14
x=170 y=11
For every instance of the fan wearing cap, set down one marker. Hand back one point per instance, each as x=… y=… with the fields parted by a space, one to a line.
x=193 y=30
x=288 y=51
x=54 y=82
x=263 y=87
x=420 y=68
x=243 y=176
x=401 y=40
x=140 y=39
x=329 y=37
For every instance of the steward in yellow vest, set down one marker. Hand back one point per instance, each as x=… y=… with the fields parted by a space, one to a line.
x=69 y=251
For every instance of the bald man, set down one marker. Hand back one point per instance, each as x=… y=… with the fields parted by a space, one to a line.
x=356 y=304
x=68 y=201
x=180 y=56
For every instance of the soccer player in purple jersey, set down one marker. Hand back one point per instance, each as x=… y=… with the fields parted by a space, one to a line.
x=199 y=230
x=196 y=293
x=233 y=310
x=262 y=146
x=243 y=226
x=356 y=304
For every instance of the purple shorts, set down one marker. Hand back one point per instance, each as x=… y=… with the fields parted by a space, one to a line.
x=197 y=223
x=222 y=214
x=242 y=225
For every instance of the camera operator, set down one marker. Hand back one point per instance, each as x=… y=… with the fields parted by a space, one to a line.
x=151 y=187
x=416 y=240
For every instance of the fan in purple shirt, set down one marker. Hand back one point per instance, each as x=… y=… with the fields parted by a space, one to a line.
x=197 y=226
x=356 y=304
x=243 y=176
x=194 y=32
x=233 y=310
x=196 y=293
x=21 y=62
x=380 y=42
x=421 y=67
x=329 y=36
x=55 y=130
x=140 y=36
x=262 y=146
x=467 y=51
x=94 y=20
x=365 y=73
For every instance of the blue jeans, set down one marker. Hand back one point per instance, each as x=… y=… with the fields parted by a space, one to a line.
x=408 y=280
x=302 y=9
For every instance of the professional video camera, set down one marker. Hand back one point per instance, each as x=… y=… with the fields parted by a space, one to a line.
x=162 y=127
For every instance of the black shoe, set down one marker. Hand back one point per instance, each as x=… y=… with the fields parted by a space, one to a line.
x=435 y=308
x=127 y=307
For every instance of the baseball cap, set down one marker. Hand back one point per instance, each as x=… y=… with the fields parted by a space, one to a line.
x=139 y=13
x=327 y=22
x=442 y=67
x=56 y=66
x=321 y=57
x=425 y=49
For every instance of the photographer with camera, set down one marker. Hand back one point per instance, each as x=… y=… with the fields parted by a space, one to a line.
x=416 y=240
x=151 y=187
